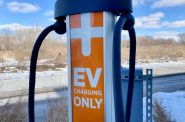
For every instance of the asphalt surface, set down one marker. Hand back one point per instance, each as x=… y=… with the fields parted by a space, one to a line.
x=168 y=84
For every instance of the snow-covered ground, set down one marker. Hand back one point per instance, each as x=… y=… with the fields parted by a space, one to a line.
x=13 y=81
x=14 y=63
x=161 y=68
x=25 y=74
x=14 y=75
x=11 y=71
x=174 y=104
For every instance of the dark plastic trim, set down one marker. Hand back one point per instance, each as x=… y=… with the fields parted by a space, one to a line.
x=69 y=7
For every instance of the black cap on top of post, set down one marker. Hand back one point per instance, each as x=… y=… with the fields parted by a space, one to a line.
x=69 y=7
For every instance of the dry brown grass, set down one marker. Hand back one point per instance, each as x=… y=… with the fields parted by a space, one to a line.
x=15 y=109
x=160 y=113
x=15 y=112
x=150 y=49
x=19 y=45
x=57 y=110
x=168 y=52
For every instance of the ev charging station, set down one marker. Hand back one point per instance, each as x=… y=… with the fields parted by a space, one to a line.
x=89 y=61
x=94 y=59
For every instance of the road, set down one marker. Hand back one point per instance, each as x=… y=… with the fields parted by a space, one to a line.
x=168 y=84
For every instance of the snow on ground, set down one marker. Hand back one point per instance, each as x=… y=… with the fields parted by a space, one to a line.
x=8 y=63
x=167 y=64
x=11 y=64
x=174 y=103
x=38 y=97
x=152 y=64
x=161 y=68
x=14 y=63
x=25 y=74
x=11 y=71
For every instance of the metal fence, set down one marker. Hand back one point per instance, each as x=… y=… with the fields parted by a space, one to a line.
x=137 y=103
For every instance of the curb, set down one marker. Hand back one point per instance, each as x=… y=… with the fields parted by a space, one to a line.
x=24 y=92
x=169 y=75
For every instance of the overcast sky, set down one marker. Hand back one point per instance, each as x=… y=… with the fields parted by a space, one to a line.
x=159 y=18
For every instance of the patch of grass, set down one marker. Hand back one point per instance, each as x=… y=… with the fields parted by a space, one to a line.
x=162 y=52
x=57 y=110
x=19 y=45
x=13 y=112
x=160 y=113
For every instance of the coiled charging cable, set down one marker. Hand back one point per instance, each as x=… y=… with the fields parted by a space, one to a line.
x=126 y=22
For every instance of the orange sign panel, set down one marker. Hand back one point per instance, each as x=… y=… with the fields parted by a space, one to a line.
x=87 y=67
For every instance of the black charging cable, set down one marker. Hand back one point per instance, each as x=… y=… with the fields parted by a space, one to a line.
x=126 y=22
x=60 y=28
x=118 y=100
x=132 y=59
